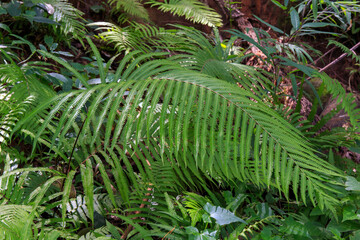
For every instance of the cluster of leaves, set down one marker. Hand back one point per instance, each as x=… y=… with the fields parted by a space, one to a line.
x=177 y=139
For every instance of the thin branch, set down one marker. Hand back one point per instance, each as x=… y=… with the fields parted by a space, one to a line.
x=169 y=233
x=332 y=49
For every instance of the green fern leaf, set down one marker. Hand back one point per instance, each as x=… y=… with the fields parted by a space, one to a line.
x=347 y=101
x=132 y=7
x=192 y=10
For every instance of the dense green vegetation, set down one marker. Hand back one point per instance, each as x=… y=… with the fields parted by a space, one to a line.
x=171 y=133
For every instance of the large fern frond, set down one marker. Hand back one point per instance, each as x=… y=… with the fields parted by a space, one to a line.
x=25 y=80
x=192 y=121
x=9 y=118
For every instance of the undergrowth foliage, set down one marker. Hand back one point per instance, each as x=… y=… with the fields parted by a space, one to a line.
x=175 y=139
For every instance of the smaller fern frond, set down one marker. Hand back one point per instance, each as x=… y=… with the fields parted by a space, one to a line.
x=194 y=204
x=12 y=220
x=207 y=56
x=346 y=100
x=132 y=7
x=251 y=229
x=9 y=119
x=192 y=10
x=345 y=49
x=66 y=15
x=136 y=36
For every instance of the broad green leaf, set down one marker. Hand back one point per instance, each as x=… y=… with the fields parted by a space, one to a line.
x=191 y=230
x=279 y=4
x=352 y=184
x=314 y=6
x=196 y=235
x=2 y=11
x=318 y=24
x=221 y=215
x=206 y=218
x=14 y=9
x=88 y=185
x=44 y=20
x=295 y=19
x=355 y=235
x=5 y=27
x=66 y=192
x=350 y=212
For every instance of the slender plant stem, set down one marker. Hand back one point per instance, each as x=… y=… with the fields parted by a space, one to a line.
x=76 y=140
x=332 y=49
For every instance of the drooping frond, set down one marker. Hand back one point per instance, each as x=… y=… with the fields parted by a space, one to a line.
x=24 y=81
x=192 y=10
x=132 y=7
x=294 y=52
x=192 y=121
